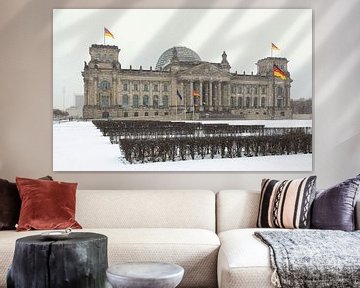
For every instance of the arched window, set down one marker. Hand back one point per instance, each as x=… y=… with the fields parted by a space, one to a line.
x=136 y=101
x=156 y=102
x=255 y=102
x=263 y=102
x=104 y=85
x=146 y=101
x=279 y=91
x=247 y=102
x=240 y=102
x=165 y=101
x=125 y=101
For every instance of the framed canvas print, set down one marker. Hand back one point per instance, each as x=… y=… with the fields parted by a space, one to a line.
x=182 y=90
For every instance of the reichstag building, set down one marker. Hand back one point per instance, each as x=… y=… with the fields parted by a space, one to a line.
x=182 y=86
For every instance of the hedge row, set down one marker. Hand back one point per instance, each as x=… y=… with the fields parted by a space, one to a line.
x=173 y=149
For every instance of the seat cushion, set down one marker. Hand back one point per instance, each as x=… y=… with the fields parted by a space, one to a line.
x=196 y=250
x=244 y=261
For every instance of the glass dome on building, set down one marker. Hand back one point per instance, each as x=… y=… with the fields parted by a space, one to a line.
x=184 y=54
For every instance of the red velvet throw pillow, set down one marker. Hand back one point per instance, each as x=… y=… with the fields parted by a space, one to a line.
x=46 y=204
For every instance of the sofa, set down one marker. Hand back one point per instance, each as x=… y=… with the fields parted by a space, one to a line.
x=210 y=235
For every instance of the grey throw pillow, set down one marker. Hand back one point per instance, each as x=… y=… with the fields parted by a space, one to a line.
x=334 y=208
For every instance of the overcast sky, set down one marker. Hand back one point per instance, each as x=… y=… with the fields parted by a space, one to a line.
x=144 y=34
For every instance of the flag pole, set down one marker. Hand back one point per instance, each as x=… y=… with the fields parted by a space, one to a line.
x=104 y=35
x=271 y=50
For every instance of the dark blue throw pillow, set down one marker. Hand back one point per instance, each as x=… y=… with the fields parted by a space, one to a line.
x=334 y=208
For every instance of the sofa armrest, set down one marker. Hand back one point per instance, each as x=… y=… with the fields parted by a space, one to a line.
x=357 y=215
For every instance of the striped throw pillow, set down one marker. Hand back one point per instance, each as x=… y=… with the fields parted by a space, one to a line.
x=286 y=204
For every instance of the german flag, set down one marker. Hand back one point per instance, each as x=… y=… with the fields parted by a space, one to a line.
x=278 y=72
x=196 y=93
x=274 y=47
x=107 y=33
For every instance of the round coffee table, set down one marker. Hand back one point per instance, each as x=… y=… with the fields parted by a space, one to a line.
x=145 y=275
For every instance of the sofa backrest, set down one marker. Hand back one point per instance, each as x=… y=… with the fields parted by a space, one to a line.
x=236 y=209
x=146 y=209
x=239 y=209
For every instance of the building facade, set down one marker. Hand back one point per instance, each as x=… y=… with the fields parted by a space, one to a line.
x=182 y=87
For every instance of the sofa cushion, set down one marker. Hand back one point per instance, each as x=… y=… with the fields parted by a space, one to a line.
x=334 y=208
x=236 y=209
x=244 y=261
x=286 y=204
x=46 y=204
x=10 y=204
x=153 y=209
x=194 y=249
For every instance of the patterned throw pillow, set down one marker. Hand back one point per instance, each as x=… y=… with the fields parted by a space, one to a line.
x=286 y=204
x=10 y=204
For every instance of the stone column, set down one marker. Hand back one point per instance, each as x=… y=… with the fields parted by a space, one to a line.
x=210 y=93
x=201 y=94
x=86 y=91
x=228 y=95
x=191 y=102
x=182 y=94
x=96 y=96
x=220 y=94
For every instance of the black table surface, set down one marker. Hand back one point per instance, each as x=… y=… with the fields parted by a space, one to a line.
x=73 y=237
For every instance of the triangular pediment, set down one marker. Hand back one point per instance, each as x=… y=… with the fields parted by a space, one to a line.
x=205 y=69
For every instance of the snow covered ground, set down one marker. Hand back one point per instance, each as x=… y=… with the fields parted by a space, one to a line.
x=79 y=146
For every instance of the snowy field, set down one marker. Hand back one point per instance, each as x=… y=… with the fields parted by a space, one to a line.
x=79 y=146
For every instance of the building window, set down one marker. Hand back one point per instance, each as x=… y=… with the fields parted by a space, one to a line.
x=136 y=101
x=156 y=87
x=279 y=91
x=248 y=91
x=126 y=114
x=146 y=101
x=104 y=85
x=156 y=102
x=125 y=87
x=146 y=114
x=165 y=101
x=263 y=102
x=240 y=102
x=233 y=89
x=166 y=113
x=156 y=113
x=125 y=101
x=233 y=102
x=279 y=103
x=255 y=90
x=263 y=90
x=240 y=89
x=165 y=87
x=104 y=101
x=255 y=102
x=247 y=102
x=136 y=87
x=146 y=87
x=136 y=114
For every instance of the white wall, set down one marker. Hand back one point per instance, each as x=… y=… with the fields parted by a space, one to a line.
x=26 y=95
